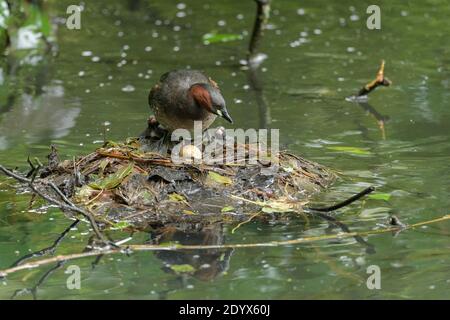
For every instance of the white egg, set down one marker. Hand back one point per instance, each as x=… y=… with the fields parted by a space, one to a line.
x=190 y=152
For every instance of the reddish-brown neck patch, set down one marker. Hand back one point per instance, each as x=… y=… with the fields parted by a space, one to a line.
x=201 y=96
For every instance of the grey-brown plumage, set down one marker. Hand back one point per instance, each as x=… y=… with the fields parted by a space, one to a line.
x=184 y=96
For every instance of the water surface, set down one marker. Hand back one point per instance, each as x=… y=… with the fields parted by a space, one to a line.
x=318 y=53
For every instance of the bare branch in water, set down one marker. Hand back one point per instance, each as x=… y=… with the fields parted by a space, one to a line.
x=148 y=247
x=332 y=220
x=361 y=97
x=33 y=290
x=320 y=212
x=380 y=80
x=345 y=202
x=48 y=250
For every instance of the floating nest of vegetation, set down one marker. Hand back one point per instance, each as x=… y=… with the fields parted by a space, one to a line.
x=123 y=186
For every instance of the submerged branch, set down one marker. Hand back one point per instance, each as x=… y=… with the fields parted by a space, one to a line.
x=145 y=247
x=332 y=220
x=48 y=250
x=262 y=16
x=34 y=289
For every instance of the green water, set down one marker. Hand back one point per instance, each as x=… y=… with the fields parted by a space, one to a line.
x=65 y=100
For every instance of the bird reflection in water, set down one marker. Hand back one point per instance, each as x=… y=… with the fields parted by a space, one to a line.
x=207 y=263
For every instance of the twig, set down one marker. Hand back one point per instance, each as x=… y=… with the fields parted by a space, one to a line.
x=380 y=80
x=148 y=247
x=72 y=207
x=162 y=161
x=60 y=193
x=244 y=222
x=345 y=202
x=319 y=213
x=369 y=247
x=13 y=175
x=94 y=198
x=32 y=170
x=33 y=290
x=48 y=250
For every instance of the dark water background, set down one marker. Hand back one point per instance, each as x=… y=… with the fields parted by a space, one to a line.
x=319 y=52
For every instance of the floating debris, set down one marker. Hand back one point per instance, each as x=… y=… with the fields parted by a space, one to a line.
x=214 y=37
x=380 y=80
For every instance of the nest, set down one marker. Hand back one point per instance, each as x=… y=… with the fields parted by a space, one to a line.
x=122 y=186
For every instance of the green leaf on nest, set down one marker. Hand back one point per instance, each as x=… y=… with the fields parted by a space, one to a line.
x=177 y=197
x=121 y=225
x=214 y=176
x=227 y=209
x=113 y=180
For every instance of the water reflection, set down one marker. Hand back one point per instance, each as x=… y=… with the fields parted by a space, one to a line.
x=204 y=265
x=208 y=264
x=379 y=118
x=255 y=82
x=35 y=111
